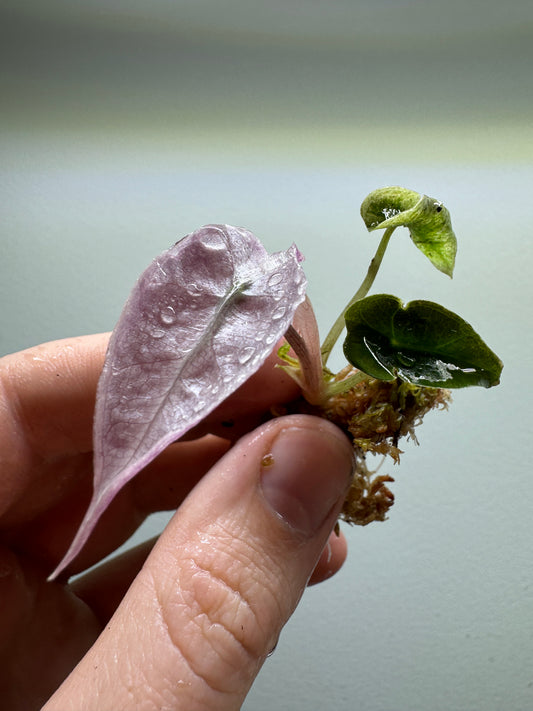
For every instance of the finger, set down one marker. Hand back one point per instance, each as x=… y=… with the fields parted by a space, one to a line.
x=162 y=486
x=224 y=577
x=103 y=588
x=47 y=398
x=46 y=415
x=52 y=388
x=44 y=631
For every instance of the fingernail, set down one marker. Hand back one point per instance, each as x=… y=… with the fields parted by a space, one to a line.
x=306 y=473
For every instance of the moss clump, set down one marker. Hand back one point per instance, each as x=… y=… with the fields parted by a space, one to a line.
x=376 y=415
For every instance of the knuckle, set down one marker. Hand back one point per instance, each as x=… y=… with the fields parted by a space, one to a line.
x=225 y=616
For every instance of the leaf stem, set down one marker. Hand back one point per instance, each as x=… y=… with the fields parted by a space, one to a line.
x=363 y=290
x=310 y=374
x=342 y=386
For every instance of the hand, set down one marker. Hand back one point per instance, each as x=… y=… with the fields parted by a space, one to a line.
x=184 y=624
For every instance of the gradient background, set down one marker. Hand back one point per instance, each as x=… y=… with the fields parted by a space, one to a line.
x=126 y=125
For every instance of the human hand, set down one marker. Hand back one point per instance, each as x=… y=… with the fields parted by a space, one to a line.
x=187 y=624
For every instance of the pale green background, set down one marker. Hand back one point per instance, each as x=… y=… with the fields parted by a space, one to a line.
x=128 y=124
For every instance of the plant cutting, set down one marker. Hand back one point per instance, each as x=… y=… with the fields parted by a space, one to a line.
x=206 y=314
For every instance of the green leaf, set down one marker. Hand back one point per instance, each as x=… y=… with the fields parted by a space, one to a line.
x=427 y=219
x=422 y=343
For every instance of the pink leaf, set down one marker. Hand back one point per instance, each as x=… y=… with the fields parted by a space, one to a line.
x=200 y=321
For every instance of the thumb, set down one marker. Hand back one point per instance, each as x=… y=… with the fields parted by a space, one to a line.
x=224 y=577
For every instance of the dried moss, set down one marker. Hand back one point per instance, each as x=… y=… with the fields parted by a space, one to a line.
x=375 y=415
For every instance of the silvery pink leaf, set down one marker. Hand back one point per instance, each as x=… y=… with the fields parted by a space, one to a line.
x=200 y=321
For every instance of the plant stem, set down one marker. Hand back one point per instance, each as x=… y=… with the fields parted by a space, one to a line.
x=312 y=381
x=363 y=290
x=342 y=386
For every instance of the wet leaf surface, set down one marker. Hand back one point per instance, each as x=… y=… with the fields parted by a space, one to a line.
x=422 y=343
x=202 y=318
x=427 y=219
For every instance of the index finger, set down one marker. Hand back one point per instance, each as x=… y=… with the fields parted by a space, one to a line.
x=48 y=394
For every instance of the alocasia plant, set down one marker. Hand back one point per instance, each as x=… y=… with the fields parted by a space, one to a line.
x=206 y=314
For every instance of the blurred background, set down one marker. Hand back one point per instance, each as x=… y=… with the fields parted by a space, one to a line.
x=127 y=124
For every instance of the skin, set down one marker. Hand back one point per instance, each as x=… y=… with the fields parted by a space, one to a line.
x=181 y=623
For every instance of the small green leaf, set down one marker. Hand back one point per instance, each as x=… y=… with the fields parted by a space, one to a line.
x=422 y=343
x=427 y=219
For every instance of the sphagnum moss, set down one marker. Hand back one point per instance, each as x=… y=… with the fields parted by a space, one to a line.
x=376 y=415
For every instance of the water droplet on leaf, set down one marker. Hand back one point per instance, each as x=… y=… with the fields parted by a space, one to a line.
x=167 y=315
x=213 y=240
x=193 y=289
x=405 y=359
x=246 y=354
x=275 y=279
x=279 y=313
x=157 y=333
